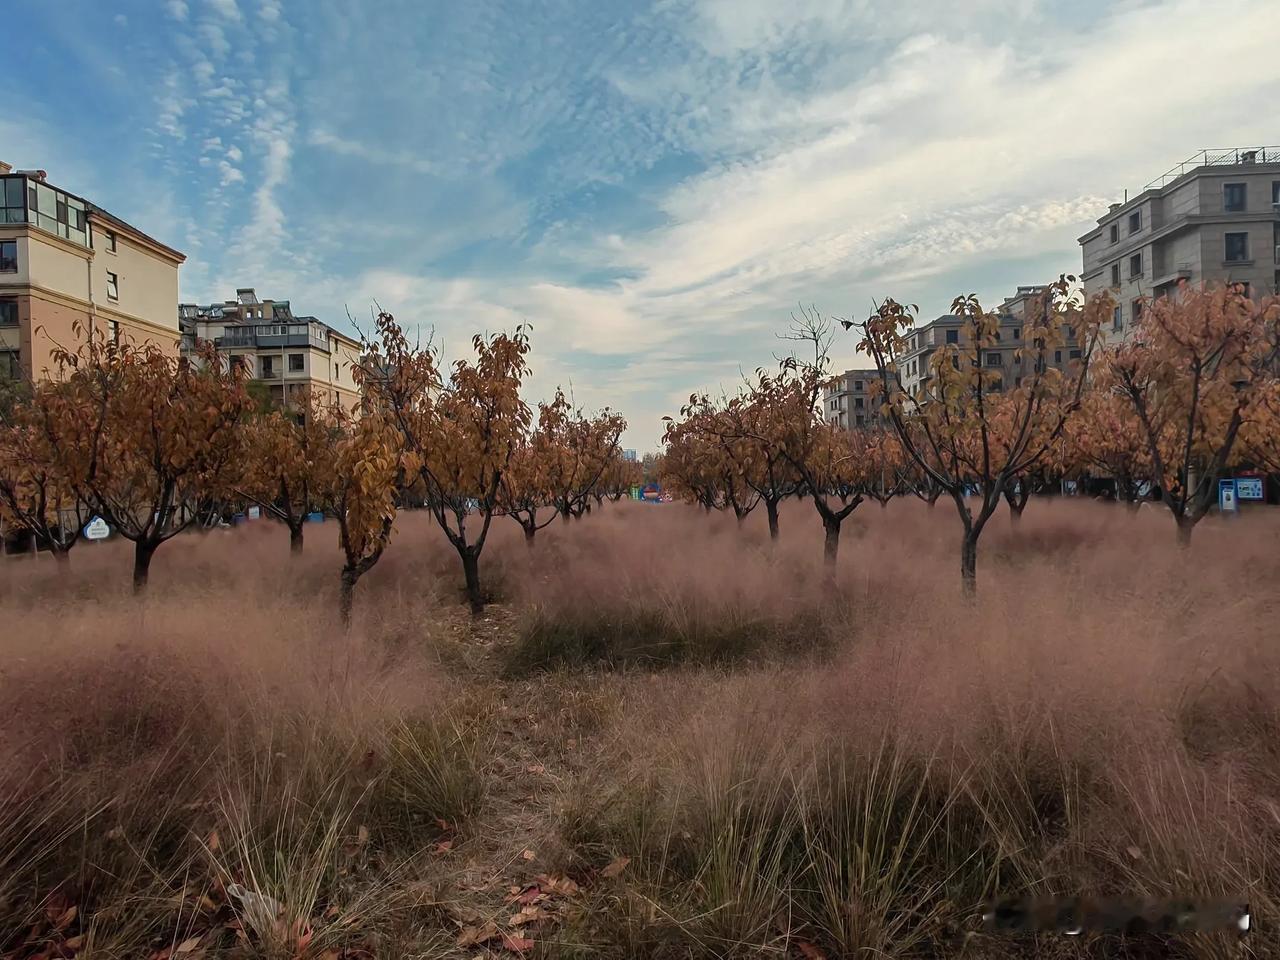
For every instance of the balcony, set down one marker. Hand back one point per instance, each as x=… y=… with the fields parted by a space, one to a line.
x=273 y=335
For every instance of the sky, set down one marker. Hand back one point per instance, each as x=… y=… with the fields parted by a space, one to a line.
x=654 y=187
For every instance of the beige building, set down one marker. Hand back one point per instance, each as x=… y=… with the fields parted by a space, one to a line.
x=286 y=354
x=848 y=402
x=1212 y=219
x=913 y=367
x=64 y=259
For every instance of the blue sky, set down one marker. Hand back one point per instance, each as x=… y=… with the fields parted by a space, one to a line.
x=653 y=186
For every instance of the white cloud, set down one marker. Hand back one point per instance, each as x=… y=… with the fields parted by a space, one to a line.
x=177 y=9
x=120 y=20
x=227 y=9
x=234 y=154
x=229 y=174
x=270 y=11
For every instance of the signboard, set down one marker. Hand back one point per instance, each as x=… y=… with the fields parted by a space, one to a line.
x=96 y=529
x=255 y=513
x=1250 y=488
x=315 y=517
x=1227 y=501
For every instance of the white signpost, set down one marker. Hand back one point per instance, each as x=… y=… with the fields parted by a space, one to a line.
x=255 y=513
x=96 y=529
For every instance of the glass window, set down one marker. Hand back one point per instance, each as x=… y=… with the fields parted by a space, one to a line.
x=295 y=362
x=857 y=402
x=110 y=239
x=113 y=286
x=1075 y=354
x=13 y=192
x=1115 y=274
x=1233 y=197
x=8 y=256
x=1275 y=191
x=857 y=385
x=1117 y=318
x=1115 y=232
x=1057 y=356
x=1136 y=308
x=1135 y=266
x=1135 y=221
x=10 y=365
x=1237 y=245
x=993 y=359
x=953 y=336
x=8 y=313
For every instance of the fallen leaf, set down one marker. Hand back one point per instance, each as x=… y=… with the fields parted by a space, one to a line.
x=615 y=868
x=561 y=886
x=528 y=914
x=809 y=951
x=470 y=936
x=187 y=946
x=363 y=834
x=332 y=912
x=64 y=919
x=214 y=841
x=535 y=768
x=527 y=855
x=74 y=943
x=516 y=944
x=444 y=846
x=1133 y=852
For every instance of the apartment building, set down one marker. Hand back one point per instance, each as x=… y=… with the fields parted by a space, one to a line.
x=63 y=259
x=1214 y=218
x=848 y=402
x=913 y=367
x=285 y=353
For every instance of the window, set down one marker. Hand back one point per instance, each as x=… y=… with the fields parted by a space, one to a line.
x=268 y=366
x=857 y=386
x=1115 y=232
x=12 y=209
x=996 y=385
x=1237 y=247
x=857 y=402
x=1017 y=333
x=1115 y=274
x=110 y=241
x=1136 y=310
x=238 y=362
x=114 y=327
x=1135 y=222
x=1135 y=266
x=993 y=359
x=10 y=365
x=1057 y=356
x=295 y=362
x=1275 y=192
x=1075 y=354
x=1117 y=318
x=8 y=256
x=953 y=336
x=1017 y=382
x=1233 y=197
x=8 y=313
x=113 y=286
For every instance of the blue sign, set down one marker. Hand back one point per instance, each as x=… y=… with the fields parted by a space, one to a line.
x=1249 y=488
x=316 y=517
x=1227 y=499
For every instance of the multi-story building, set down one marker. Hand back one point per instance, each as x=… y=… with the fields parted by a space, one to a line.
x=913 y=366
x=287 y=354
x=64 y=259
x=848 y=402
x=629 y=456
x=1214 y=218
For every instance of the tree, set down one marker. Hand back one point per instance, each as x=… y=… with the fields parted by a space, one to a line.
x=582 y=449
x=884 y=465
x=688 y=467
x=34 y=495
x=526 y=487
x=143 y=437
x=362 y=487
x=964 y=427
x=459 y=437
x=752 y=426
x=1196 y=363
x=1104 y=437
x=288 y=462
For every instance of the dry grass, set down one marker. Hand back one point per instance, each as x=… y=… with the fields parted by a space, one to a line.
x=848 y=764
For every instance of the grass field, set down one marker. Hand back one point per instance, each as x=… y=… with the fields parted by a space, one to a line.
x=662 y=739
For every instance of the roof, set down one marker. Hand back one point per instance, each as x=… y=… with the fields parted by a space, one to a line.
x=115 y=221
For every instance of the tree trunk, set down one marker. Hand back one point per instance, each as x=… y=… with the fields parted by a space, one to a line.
x=969 y=564
x=1185 y=527
x=346 y=596
x=530 y=531
x=771 y=508
x=471 y=570
x=295 y=539
x=142 y=554
x=831 y=541
x=63 y=556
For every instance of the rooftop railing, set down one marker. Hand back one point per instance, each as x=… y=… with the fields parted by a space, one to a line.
x=1217 y=157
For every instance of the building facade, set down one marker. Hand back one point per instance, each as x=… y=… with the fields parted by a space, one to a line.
x=1001 y=356
x=848 y=402
x=1214 y=218
x=286 y=354
x=62 y=260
